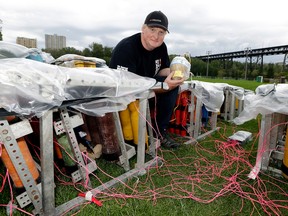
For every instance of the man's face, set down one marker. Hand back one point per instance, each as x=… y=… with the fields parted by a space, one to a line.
x=152 y=37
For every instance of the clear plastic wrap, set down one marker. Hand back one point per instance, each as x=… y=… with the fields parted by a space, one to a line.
x=241 y=136
x=211 y=94
x=102 y=106
x=267 y=99
x=38 y=55
x=30 y=87
x=73 y=60
x=12 y=50
x=238 y=92
x=104 y=82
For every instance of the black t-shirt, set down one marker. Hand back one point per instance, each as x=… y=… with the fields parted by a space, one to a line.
x=129 y=54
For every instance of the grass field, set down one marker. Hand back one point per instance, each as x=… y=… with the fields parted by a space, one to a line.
x=206 y=178
x=246 y=84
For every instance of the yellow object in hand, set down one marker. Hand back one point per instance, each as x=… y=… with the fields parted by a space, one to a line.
x=178 y=74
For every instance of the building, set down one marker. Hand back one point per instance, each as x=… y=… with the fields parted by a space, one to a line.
x=27 y=42
x=55 y=41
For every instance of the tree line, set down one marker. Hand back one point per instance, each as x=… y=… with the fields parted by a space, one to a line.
x=215 y=68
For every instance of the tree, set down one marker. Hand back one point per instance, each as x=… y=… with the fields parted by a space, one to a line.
x=1 y=38
x=221 y=73
x=107 y=54
x=270 y=70
x=97 y=50
x=56 y=53
x=87 y=52
x=198 y=67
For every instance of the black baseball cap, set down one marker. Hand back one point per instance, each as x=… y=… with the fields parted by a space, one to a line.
x=157 y=19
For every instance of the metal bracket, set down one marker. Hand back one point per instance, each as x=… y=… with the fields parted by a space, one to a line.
x=68 y=127
x=20 y=165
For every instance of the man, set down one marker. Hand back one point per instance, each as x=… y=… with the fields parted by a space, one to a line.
x=146 y=54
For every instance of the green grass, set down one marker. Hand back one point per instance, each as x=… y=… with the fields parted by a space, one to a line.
x=172 y=184
x=246 y=84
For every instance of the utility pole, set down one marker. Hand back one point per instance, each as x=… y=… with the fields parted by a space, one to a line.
x=247 y=50
x=207 y=71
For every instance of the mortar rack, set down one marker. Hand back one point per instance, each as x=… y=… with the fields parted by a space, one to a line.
x=271 y=145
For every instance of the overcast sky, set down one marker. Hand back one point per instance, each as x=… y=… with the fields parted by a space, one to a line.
x=195 y=26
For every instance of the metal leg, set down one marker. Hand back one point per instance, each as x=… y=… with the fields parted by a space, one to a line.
x=124 y=159
x=197 y=118
x=232 y=107
x=226 y=105
x=142 y=133
x=47 y=166
x=262 y=154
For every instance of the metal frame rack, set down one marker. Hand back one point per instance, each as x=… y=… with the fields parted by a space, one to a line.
x=195 y=106
x=9 y=134
x=42 y=195
x=195 y=122
x=230 y=109
x=270 y=151
x=66 y=125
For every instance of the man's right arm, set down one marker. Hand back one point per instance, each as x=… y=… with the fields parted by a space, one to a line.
x=171 y=84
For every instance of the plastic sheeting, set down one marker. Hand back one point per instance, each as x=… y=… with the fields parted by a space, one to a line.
x=12 y=50
x=269 y=98
x=104 y=82
x=30 y=87
x=70 y=60
x=237 y=91
x=106 y=105
x=241 y=136
x=212 y=94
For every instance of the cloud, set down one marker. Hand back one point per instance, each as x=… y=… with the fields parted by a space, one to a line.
x=195 y=27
